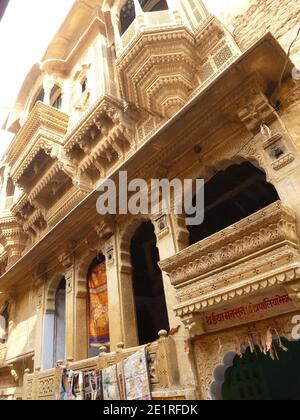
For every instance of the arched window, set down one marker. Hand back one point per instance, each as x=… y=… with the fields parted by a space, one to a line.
x=232 y=195
x=56 y=97
x=54 y=335
x=256 y=376
x=148 y=285
x=10 y=188
x=98 y=305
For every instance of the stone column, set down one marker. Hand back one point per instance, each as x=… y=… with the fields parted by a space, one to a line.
x=80 y=296
x=139 y=13
x=48 y=85
x=121 y=305
x=116 y=26
x=39 y=340
x=169 y=243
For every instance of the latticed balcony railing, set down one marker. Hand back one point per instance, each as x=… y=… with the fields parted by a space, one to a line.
x=146 y=22
x=163 y=371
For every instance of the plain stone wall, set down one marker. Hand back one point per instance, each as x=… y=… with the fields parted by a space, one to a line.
x=280 y=17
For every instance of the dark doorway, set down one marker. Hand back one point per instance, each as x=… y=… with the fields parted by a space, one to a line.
x=258 y=377
x=148 y=286
x=232 y=195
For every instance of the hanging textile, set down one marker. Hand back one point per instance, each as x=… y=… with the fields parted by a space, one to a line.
x=136 y=374
x=66 y=390
x=113 y=383
x=93 y=386
x=99 y=328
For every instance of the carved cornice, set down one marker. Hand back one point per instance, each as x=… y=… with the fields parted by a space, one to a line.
x=269 y=227
x=257 y=253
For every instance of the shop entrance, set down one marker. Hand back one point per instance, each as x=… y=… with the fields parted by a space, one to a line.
x=258 y=377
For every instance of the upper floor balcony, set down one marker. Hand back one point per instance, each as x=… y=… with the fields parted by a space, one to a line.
x=166 y=50
x=258 y=255
x=163 y=371
x=27 y=157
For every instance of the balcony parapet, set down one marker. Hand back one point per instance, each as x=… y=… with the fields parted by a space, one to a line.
x=163 y=370
x=257 y=253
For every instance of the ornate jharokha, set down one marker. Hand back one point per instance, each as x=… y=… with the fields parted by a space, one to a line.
x=163 y=90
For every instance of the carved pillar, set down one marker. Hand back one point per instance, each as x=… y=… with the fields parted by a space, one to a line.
x=71 y=333
x=126 y=293
x=139 y=13
x=80 y=296
x=39 y=288
x=121 y=306
x=167 y=246
x=116 y=26
x=48 y=85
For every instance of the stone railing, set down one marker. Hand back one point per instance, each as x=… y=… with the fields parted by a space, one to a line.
x=257 y=253
x=163 y=371
x=146 y=22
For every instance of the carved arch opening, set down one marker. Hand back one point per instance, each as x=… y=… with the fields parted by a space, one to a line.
x=54 y=323
x=97 y=304
x=233 y=192
x=255 y=376
x=147 y=283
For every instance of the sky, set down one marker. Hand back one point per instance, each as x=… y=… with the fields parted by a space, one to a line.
x=25 y=32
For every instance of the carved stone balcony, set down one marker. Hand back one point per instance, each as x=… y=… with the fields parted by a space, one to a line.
x=259 y=254
x=163 y=372
x=26 y=154
x=161 y=61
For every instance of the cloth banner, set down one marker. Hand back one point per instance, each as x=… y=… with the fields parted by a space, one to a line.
x=99 y=327
x=93 y=386
x=113 y=383
x=137 y=377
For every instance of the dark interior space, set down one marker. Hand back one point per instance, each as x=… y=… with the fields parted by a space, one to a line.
x=232 y=195
x=148 y=287
x=127 y=14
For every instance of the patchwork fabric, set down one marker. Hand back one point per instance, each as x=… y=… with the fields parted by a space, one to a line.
x=93 y=386
x=137 y=377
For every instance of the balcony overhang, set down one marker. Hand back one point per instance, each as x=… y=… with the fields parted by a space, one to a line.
x=44 y=124
x=255 y=255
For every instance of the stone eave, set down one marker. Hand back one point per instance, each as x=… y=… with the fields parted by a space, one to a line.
x=266 y=46
x=63 y=64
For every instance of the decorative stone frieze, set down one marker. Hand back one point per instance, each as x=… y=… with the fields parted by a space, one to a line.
x=159 y=70
x=257 y=253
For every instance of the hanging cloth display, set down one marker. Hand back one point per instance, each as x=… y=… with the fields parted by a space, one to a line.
x=98 y=325
x=93 y=386
x=113 y=383
x=137 y=380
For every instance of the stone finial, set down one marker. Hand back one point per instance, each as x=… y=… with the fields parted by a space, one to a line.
x=163 y=334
